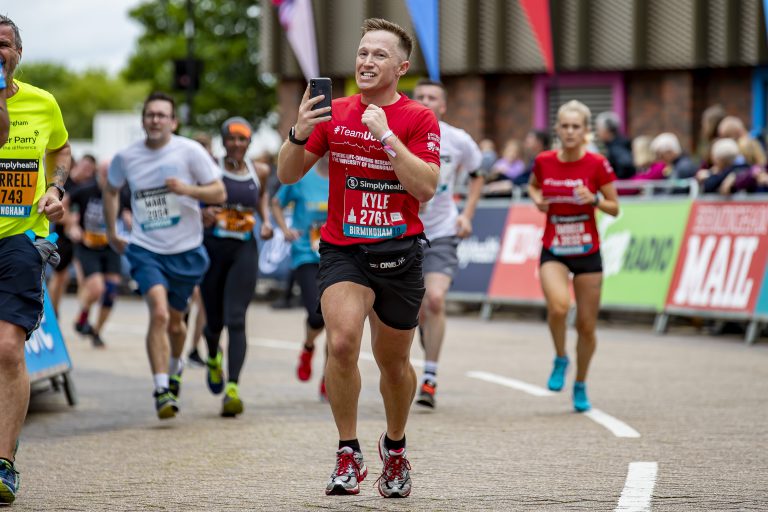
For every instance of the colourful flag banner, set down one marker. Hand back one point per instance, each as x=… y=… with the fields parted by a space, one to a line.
x=537 y=12
x=425 y=16
x=298 y=21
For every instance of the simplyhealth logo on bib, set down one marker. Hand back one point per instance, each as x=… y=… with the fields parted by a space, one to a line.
x=373 y=208
x=18 y=182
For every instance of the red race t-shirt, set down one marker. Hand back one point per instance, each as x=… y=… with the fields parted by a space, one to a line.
x=571 y=229
x=366 y=202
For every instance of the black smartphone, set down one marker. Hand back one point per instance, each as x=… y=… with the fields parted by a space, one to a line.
x=318 y=86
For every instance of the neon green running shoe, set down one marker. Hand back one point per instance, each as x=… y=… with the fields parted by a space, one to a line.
x=174 y=384
x=231 y=405
x=9 y=482
x=215 y=374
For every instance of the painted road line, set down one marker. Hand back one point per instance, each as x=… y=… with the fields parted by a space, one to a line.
x=617 y=427
x=510 y=383
x=638 y=489
x=292 y=345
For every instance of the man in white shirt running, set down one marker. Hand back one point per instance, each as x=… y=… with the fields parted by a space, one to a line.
x=168 y=177
x=444 y=226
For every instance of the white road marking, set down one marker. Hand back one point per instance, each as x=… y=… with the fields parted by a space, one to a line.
x=292 y=345
x=617 y=427
x=260 y=342
x=638 y=489
x=510 y=383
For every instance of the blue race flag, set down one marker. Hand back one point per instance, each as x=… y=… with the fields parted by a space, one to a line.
x=425 y=16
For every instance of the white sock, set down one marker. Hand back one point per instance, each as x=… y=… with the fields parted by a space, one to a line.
x=430 y=370
x=177 y=364
x=161 y=380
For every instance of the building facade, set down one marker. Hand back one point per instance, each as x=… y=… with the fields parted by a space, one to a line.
x=658 y=63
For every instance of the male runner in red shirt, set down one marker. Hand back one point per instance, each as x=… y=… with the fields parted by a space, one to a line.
x=384 y=160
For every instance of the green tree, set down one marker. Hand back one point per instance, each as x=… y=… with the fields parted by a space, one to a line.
x=226 y=40
x=81 y=95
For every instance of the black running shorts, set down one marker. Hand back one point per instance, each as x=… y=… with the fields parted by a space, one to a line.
x=398 y=297
x=21 y=282
x=576 y=264
x=98 y=261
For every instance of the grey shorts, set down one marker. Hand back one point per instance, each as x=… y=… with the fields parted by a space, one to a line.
x=441 y=256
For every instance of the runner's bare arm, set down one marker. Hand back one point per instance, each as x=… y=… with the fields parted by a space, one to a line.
x=470 y=205
x=610 y=200
x=536 y=195
x=110 y=203
x=418 y=177
x=277 y=212
x=210 y=193
x=294 y=161
x=262 y=172
x=57 y=164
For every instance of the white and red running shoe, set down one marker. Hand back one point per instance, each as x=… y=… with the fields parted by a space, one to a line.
x=349 y=472
x=395 y=479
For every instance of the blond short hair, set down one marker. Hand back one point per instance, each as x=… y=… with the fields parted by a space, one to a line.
x=405 y=41
x=579 y=108
x=725 y=150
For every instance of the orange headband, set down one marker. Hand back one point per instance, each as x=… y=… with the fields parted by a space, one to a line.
x=239 y=129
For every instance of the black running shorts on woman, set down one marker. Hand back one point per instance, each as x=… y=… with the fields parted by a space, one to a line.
x=575 y=264
x=398 y=294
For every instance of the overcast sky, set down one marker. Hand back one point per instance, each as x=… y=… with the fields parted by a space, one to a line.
x=77 y=33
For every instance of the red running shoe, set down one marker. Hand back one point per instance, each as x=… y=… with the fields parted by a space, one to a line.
x=304 y=370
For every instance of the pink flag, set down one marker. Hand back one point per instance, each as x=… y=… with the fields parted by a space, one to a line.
x=298 y=21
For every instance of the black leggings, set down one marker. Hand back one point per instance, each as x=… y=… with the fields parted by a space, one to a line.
x=306 y=276
x=227 y=290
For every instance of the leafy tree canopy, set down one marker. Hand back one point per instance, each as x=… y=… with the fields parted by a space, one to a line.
x=81 y=94
x=226 y=41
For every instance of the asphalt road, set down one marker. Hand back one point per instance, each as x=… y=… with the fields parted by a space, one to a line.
x=680 y=424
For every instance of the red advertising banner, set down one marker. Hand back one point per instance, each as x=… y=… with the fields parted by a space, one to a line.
x=722 y=259
x=516 y=274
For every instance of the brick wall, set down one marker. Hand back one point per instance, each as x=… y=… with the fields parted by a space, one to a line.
x=661 y=101
x=466 y=99
x=509 y=107
x=501 y=107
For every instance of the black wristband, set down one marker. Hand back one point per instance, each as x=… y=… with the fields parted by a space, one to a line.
x=57 y=187
x=596 y=201
x=293 y=139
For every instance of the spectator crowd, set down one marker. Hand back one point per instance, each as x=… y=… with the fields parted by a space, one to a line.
x=728 y=160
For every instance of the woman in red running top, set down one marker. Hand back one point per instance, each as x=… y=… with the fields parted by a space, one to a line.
x=565 y=185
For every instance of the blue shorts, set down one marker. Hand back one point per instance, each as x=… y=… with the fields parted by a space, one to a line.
x=21 y=283
x=178 y=273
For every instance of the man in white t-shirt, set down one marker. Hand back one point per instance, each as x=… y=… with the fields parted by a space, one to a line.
x=444 y=226
x=168 y=177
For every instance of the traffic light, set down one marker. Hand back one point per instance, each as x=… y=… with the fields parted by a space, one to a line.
x=186 y=74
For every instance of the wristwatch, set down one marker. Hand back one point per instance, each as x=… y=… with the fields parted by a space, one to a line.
x=293 y=139
x=596 y=201
x=57 y=187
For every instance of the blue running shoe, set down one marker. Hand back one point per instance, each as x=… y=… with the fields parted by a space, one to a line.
x=557 y=378
x=9 y=482
x=580 y=399
x=215 y=374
